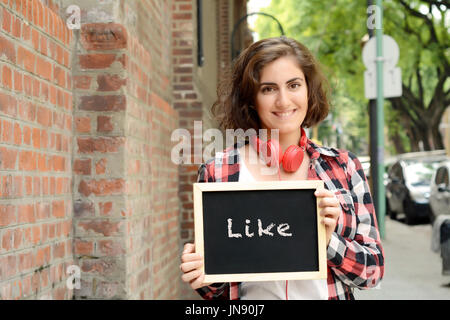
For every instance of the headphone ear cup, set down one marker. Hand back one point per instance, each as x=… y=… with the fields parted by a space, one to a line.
x=293 y=158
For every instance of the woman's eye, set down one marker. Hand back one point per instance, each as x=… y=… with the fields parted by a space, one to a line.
x=267 y=89
x=294 y=85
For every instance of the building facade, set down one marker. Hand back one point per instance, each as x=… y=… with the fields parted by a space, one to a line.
x=91 y=204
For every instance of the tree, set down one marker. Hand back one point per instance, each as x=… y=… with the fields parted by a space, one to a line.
x=334 y=30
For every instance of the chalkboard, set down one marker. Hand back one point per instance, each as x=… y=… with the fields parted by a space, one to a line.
x=259 y=231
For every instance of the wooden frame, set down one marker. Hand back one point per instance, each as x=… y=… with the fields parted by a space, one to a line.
x=199 y=188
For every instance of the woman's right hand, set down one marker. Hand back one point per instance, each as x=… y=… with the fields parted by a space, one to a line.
x=191 y=264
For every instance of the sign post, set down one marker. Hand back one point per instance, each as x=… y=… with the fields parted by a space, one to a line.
x=381 y=80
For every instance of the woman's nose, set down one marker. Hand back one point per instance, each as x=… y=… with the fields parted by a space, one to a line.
x=282 y=98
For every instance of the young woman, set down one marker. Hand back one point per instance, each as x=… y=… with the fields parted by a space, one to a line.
x=277 y=84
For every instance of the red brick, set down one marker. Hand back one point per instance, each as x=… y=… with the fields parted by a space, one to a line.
x=44 y=116
x=7 y=79
x=58 y=209
x=8 y=104
x=83 y=124
x=27 y=111
x=36 y=230
x=25 y=261
x=25 y=213
x=102 y=187
x=17 y=134
x=105 y=227
x=44 y=69
x=35 y=39
x=82 y=82
x=103 y=103
x=107 y=82
x=59 y=250
x=60 y=76
x=28 y=85
x=28 y=186
x=101 y=144
x=103 y=36
x=36 y=136
x=18 y=78
x=7 y=135
x=82 y=166
x=100 y=166
x=7 y=48
x=6 y=25
x=105 y=208
x=110 y=248
x=27 y=160
x=26 y=59
x=42 y=211
x=17 y=238
x=7 y=240
x=16 y=27
x=59 y=163
x=8 y=158
x=84 y=247
x=104 y=124
x=96 y=61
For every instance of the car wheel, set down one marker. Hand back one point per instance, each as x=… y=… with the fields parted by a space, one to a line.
x=432 y=217
x=389 y=212
x=409 y=212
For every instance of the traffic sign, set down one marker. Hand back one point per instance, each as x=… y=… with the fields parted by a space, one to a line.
x=392 y=79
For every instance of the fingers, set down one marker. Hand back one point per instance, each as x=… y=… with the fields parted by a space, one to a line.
x=329 y=222
x=191 y=267
x=187 y=257
x=321 y=193
x=189 y=248
x=198 y=283
x=190 y=276
x=331 y=212
x=328 y=202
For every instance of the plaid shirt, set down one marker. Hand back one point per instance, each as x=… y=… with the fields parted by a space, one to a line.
x=355 y=256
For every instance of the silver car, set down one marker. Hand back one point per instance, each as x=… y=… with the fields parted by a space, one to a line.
x=440 y=191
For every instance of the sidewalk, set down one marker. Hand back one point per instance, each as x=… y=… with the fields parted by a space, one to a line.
x=412 y=270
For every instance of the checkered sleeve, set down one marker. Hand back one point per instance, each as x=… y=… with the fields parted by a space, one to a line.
x=357 y=258
x=215 y=290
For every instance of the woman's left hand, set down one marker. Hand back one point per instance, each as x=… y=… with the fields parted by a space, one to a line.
x=331 y=210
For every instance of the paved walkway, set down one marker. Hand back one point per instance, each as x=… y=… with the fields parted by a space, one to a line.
x=412 y=270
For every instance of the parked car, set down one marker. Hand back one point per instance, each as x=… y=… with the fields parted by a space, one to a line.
x=408 y=187
x=440 y=191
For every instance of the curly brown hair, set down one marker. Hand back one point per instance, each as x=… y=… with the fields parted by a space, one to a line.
x=236 y=93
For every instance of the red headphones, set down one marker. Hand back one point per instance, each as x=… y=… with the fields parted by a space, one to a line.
x=271 y=151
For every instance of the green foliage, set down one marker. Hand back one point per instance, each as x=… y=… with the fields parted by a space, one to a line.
x=333 y=31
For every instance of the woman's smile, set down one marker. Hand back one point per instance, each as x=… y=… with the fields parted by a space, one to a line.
x=285 y=114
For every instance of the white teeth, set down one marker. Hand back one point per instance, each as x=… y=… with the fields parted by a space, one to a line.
x=284 y=114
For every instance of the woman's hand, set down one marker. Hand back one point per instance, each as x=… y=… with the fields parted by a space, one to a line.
x=191 y=264
x=331 y=210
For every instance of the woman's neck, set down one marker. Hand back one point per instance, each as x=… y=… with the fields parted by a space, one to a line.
x=285 y=140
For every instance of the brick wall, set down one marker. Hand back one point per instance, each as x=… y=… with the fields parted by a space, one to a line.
x=195 y=89
x=35 y=151
x=86 y=118
x=127 y=241
x=100 y=172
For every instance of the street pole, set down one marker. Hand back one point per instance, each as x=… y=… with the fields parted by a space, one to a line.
x=373 y=145
x=381 y=204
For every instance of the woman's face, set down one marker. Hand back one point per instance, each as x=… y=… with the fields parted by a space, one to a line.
x=282 y=98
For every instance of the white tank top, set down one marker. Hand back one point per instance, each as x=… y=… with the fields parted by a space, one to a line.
x=276 y=290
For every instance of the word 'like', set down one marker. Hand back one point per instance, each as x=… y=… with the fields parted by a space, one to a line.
x=281 y=229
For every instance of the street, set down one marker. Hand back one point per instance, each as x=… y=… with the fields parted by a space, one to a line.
x=412 y=270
